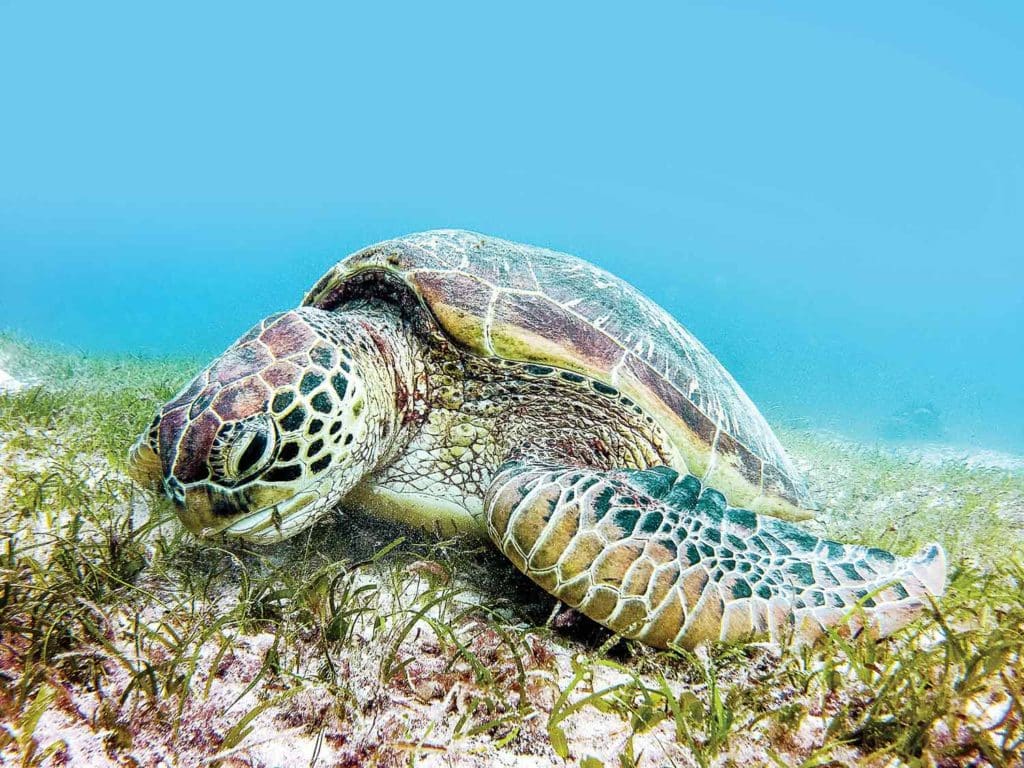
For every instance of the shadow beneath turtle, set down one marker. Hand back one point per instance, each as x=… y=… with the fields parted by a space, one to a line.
x=471 y=564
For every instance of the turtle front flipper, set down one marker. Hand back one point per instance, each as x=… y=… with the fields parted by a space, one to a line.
x=657 y=557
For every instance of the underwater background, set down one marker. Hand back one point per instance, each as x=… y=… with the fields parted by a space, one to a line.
x=830 y=197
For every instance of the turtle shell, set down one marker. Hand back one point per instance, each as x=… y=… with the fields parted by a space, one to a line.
x=493 y=297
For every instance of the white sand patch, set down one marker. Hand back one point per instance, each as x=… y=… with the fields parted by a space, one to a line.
x=971 y=458
x=8 y=383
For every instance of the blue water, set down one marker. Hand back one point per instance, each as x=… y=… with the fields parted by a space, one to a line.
x=830 y=197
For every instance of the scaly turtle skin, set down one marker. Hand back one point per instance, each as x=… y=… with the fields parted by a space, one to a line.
x=460 y=382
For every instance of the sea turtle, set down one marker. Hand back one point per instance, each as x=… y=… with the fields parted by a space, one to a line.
x=460 y=382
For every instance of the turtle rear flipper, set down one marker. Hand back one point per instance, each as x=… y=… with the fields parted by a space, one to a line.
x=661 y=558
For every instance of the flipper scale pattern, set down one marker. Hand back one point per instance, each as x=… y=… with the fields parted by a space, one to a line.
x=656 y=556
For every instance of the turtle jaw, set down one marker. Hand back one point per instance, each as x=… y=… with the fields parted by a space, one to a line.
x=266 y=516
x=278 y=514
x=275 y=523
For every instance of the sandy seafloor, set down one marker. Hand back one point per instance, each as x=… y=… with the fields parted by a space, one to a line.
x=420 y=716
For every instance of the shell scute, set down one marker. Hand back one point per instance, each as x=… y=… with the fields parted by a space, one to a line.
x=461 y=299
x=732 y=453
x=532 y=327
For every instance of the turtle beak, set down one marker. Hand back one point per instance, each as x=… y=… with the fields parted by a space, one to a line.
x=144 y=465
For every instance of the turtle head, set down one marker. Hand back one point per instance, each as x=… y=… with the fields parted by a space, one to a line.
x=273 y=432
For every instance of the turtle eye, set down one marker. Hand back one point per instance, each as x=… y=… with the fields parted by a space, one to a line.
x=253 y=452
x=245 y=450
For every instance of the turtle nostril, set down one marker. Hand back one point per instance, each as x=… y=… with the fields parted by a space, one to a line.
x=175 y=491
